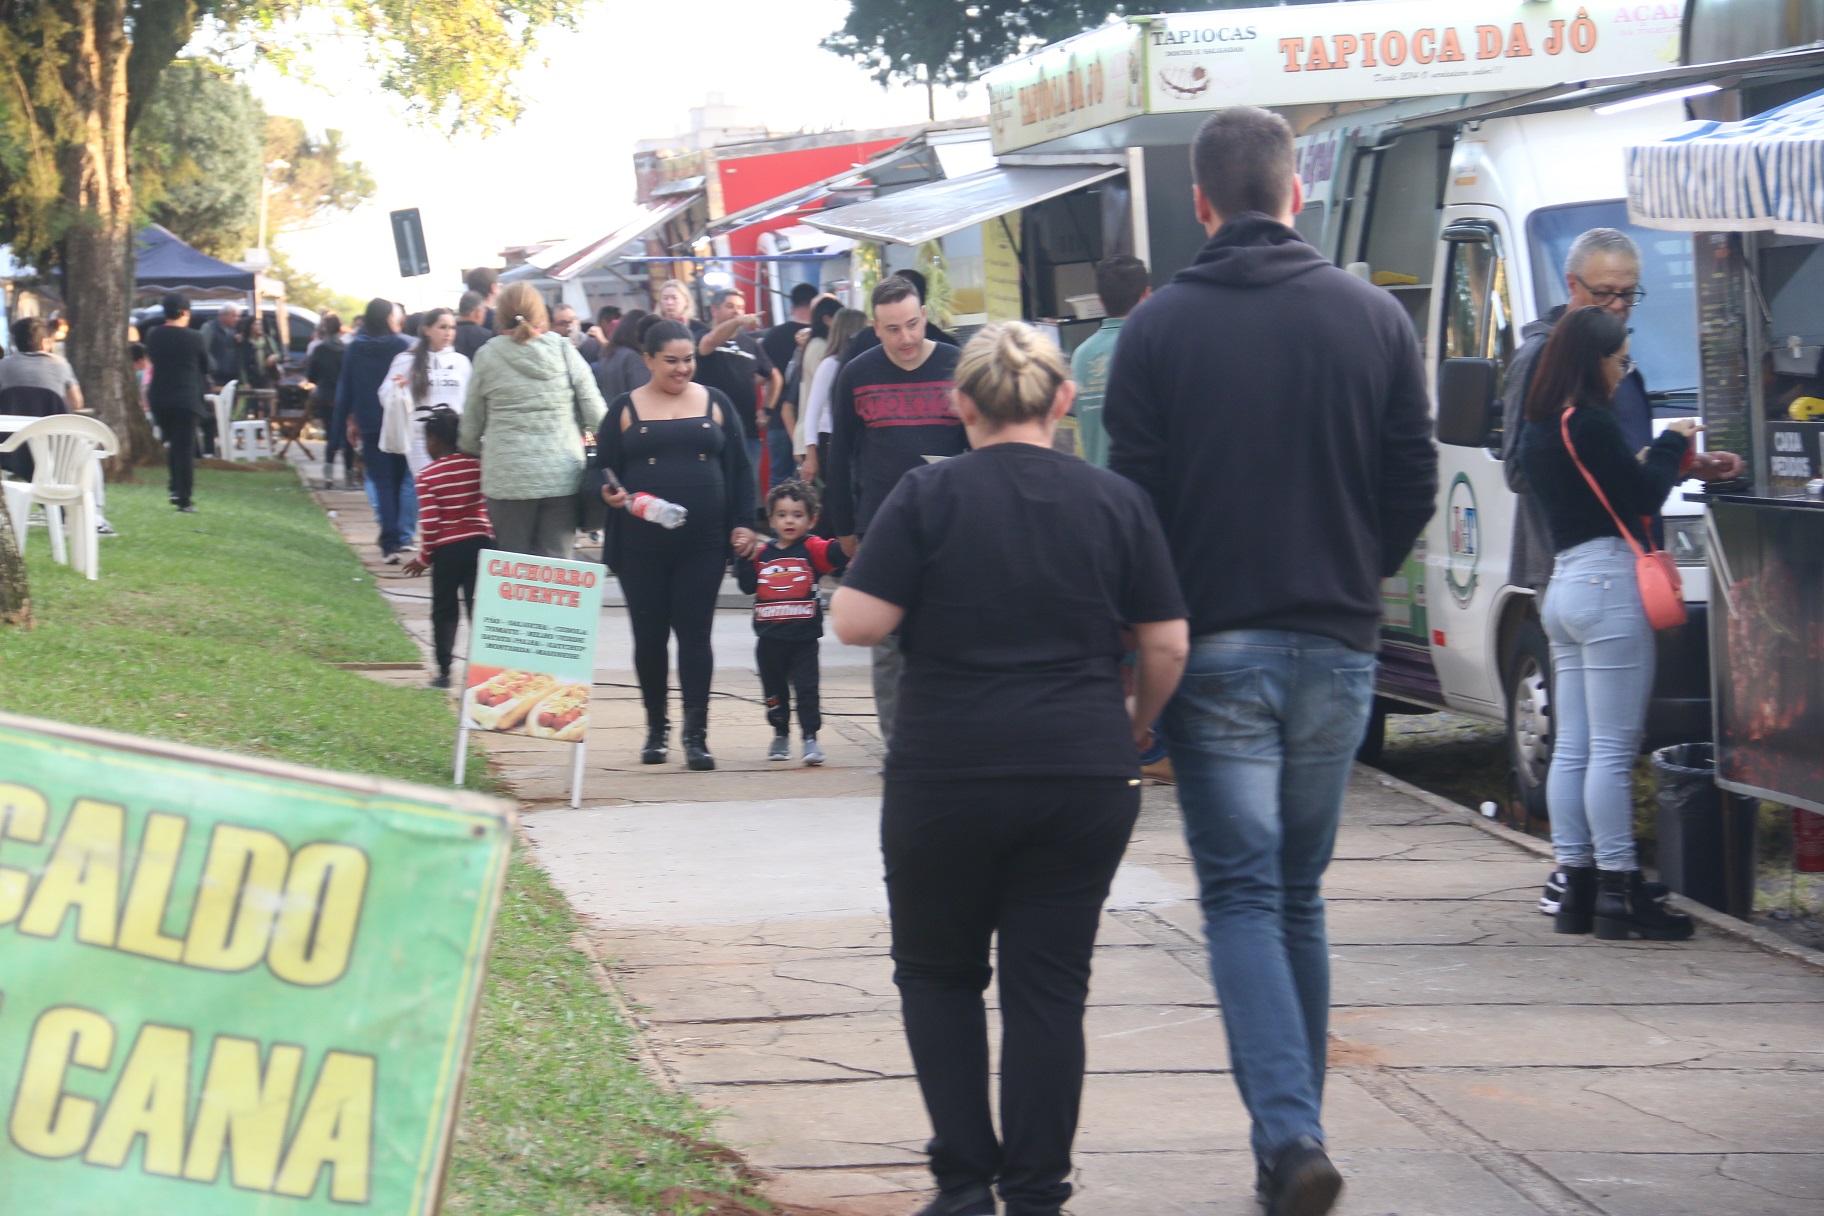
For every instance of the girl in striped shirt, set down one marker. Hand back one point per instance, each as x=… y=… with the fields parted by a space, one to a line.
x=453 y=529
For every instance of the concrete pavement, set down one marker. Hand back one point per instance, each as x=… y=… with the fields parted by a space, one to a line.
x=1482 y=1064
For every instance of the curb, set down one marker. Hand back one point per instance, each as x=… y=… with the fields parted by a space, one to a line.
x=1704 y=914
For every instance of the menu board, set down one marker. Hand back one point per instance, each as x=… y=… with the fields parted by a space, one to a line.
x=1722 y=311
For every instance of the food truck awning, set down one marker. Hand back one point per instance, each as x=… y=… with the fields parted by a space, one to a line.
x=912 y=217
x=568 y=259
x=1763 y=174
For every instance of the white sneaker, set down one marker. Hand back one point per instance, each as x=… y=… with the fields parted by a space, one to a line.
x=813 y=755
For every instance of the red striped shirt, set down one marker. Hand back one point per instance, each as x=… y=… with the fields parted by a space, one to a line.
x=450 y=506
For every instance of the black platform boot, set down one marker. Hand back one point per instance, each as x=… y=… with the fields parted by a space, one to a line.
x=1624 y=909
x=658 y=736
x=696 y=745
x=1577 y=902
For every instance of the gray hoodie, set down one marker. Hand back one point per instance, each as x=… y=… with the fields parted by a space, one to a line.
x=528 y=406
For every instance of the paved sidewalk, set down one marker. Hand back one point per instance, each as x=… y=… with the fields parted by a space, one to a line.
x=1483 y=1066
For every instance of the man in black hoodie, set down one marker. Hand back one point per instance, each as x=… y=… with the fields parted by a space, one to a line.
x=1275 y=409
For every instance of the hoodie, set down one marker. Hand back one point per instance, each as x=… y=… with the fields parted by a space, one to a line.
x=527 y=408
x=1275 y=409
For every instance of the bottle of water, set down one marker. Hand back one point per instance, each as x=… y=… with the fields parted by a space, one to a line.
x=654 y=509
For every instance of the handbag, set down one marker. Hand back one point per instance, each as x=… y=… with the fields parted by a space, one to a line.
x=395 y=417
x=1661 y=591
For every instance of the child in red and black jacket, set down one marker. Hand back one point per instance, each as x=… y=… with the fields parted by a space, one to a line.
x=788 y=615
x=453 y=528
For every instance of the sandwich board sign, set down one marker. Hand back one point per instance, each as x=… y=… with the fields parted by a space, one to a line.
x=531 y=664
x=230 y=986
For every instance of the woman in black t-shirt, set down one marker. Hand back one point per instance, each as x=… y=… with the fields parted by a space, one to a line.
x=1012 y=573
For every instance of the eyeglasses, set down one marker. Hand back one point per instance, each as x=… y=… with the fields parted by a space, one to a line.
x=1632 y=295
x=1628 y=365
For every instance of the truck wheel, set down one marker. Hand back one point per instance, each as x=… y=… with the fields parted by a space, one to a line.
x=1529 y=716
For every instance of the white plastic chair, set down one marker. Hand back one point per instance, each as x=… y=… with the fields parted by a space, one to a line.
x=65 y=448
x=250 y=439
x=223 y=401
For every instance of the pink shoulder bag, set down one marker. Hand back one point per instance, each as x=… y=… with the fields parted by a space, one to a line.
x=1661 y=591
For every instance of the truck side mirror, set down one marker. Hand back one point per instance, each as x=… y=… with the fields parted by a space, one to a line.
x=1466 y=401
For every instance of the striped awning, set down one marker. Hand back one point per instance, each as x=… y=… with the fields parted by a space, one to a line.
x=1763 y=174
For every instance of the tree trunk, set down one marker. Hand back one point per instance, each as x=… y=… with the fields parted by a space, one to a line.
x=98 y=249
x=15 y=591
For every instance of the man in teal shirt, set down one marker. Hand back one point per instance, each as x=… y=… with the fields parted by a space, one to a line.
x=1121 y=282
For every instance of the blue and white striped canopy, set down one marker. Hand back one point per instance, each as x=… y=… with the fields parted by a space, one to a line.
x=1763 y=174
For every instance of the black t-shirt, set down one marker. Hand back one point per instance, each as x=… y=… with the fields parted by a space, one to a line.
x=884 y=421
x=737 y=367
x=781 y=343
x=180 y=368
x=1017 y=567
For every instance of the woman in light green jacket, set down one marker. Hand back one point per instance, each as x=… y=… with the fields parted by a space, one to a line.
x=530 y=399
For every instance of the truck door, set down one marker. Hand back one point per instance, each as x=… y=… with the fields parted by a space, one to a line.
x=1470 y=536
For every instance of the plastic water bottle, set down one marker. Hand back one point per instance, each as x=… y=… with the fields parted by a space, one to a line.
x=653 y=509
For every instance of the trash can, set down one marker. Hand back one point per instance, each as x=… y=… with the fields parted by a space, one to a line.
x=1706 y=835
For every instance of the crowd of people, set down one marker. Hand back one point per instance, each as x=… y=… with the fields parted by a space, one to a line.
x=1174 y=540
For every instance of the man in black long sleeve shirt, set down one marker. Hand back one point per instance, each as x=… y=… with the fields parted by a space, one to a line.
x=180 y=376
x=1274 y=407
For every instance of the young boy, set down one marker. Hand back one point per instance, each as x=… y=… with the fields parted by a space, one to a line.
x=454 y=527
x=788 y=616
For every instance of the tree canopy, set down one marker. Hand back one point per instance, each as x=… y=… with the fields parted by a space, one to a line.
x=952 y=42
x=197 y=158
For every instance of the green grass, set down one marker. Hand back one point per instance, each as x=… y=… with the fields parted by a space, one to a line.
x=218 y=629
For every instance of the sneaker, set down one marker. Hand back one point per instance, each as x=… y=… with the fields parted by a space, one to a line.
x=1302 y=1181
x=104 y=528
x=813 y=755
x=781 y=748
x=442 y=681
x=392 y=558
x=976 y=1203
x=186 y=508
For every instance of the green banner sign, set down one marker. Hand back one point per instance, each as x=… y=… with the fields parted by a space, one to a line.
x=228 y=985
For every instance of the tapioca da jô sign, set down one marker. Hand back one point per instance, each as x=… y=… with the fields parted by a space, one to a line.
x=231 y=986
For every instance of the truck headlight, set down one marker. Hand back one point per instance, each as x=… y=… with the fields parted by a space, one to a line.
x=1686 y=540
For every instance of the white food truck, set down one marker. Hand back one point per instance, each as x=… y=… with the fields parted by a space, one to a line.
x=1466 y=216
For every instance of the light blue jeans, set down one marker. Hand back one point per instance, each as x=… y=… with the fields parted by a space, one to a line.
x=1262 y=735
x=1602 y=676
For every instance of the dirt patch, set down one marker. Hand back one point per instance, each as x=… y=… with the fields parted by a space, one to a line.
x=1345 y=1053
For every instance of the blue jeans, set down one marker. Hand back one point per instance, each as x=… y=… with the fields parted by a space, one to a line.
x=1262 y=734
x=1602 y=676
x=391 y=491
x=782 y=466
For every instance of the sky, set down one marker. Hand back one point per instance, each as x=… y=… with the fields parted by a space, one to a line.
x=628 y=72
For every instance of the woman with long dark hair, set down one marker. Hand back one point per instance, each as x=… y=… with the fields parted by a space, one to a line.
x=431 y=375
x=1012 y=573
x=679 y=441
x=1602 y=645
x=259 y=353
x=622 y=366
x=358 y=413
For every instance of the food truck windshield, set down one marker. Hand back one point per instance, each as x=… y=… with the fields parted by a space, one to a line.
x=1664 y=324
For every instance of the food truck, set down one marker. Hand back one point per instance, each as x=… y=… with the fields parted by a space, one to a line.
x=1750 y=194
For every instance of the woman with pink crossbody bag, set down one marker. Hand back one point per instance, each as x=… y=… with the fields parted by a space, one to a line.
x=1611 y=589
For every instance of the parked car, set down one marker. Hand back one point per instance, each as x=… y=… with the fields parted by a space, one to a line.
x=301 y=324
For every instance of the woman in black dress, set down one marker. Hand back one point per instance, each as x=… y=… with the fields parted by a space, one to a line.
x=682 y=442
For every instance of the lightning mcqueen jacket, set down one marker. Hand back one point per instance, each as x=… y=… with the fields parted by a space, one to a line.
x=783 y=582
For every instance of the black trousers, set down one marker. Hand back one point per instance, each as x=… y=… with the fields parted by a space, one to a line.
x=453 y=569
x=672 y=591
x=178 y=427
x=789 y=669
x=1029 y=859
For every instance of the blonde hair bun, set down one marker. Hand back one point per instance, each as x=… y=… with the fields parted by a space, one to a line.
x=1011 y=372
x=525 y=307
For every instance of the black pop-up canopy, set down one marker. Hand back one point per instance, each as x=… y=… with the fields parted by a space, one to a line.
x=165 y=261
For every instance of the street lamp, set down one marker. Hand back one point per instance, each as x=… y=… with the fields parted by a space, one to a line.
x=258 y=252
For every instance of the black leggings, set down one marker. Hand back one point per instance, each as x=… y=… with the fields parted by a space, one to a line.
x=672 y=592
x=178 y=428
x=1032 y=859
x=453 y=569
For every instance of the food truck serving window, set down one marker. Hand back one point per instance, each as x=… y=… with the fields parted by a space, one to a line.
x=1664 y=325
